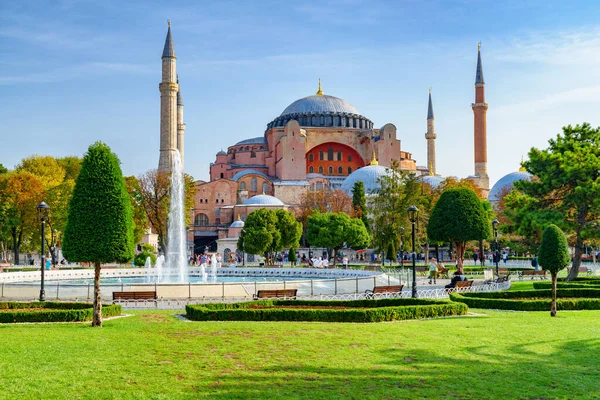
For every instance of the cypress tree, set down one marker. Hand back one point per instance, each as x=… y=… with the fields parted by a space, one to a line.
x=100 y=220
x=553 y=256
x=359 y=202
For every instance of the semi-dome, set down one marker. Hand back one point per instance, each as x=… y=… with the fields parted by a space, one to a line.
x=240 y=174
x=432 y=180
x=263 y=200
x=369 y=175
x=221 y=153
x=506 y=183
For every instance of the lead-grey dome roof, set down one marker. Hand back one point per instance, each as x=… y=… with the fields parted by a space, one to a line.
x=320 y=104
x=433 y=180
x=369 y=175
x=263 y=200
x=506 y=183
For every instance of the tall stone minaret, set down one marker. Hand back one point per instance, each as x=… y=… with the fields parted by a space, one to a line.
x=430 y=136
x=168 y=105
x=180 y=123
x=480 y=107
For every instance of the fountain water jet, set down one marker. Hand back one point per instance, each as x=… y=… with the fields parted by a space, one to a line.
x=176 y=260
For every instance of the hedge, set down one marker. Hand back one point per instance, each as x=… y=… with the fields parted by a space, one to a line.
x=52 y=312
x=356 y=310
x=535 y=300
x=567 y=285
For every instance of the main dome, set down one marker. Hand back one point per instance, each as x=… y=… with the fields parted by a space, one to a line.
x=320 y=104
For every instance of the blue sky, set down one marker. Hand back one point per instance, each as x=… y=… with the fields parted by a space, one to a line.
x=73 y=72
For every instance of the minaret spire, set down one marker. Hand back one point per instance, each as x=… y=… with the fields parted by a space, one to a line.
x=480 y=107
x=169 y=90
x=180 y=123
x=430 y=136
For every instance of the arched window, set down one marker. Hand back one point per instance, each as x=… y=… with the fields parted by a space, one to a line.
x=349 y=170
x=222 y=200
x=217 y=201
x=340 y=155
x=242 y=185
x=330 y=170
x=201 y=220
x=218 y=221
x=340 y=170
x=253 y=185
x=321 y=155
x=330 y=153
x=319 y=185
x=243 y=217
x=311 y=169
x=221 y=175
x=311 y=157
x=321 y=169
x=201 y=200
x=349 y=157
x=265 y=187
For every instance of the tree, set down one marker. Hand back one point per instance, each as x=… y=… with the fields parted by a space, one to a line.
x=565 y=190
x=140 y=221
x=290 y=229
x=3 y=169
x=292 y=256
x=553 y=256
x=359 y=202
x=390 y=253
x=71 y=165
x=100 y=221
x=20 y=193
x=335 y=230
x=49 y=172
x=458 y=217
x=323 y=201
x=154 y=194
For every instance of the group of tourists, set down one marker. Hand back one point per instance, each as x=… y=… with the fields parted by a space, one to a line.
x=204 y=259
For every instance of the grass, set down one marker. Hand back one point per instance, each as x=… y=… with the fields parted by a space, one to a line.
x=152 y=355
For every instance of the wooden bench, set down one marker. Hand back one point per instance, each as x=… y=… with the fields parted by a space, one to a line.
x=397 y=289
x=582 y=269
x=372 y=268
x=134 y=296
x=533 y=273
x=278 y=293
x=460 y=285
x=422 y=271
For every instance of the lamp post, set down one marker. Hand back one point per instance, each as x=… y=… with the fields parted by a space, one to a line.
x=401 y=246
x=243 y=250
x=383 y=249
x=412 y=215
x=43 y=213
x=495 y=224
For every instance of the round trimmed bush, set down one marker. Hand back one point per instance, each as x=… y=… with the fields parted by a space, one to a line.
x=326 y=311
x=140 y=259
x=47 y=311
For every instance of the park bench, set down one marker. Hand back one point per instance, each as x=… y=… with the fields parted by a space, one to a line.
x=460 y=285
x=502 y=279
x=582 y=269
x=134 y=296
x=533 y=273
x=277 y=293
x=372 y=268
x=396 y=289
x=422 y=271
x=442 y=272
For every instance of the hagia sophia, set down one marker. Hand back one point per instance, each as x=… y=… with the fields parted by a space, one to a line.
x=319 y=141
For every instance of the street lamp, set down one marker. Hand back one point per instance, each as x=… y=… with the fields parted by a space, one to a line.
x=495 y=224
x=412 y=215
x=43 y=213
x=243 y=250
x=383 y=249
x=401 y=246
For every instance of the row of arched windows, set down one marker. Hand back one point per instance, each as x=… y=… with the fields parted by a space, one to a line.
x=216 y=201
x=331 y=155
x=202 y=220
x=330 y=170
x=254 y=186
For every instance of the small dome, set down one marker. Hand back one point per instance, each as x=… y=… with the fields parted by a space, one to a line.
x=263 y=200
x=237 y=224
x=506 y=184
x=256 y=140
x=320 y=104
x=369 y=175
x=221 y=153
x=433 y=180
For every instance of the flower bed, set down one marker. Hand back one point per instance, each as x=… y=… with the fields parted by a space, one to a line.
x=45 y=311
x=326 y=311
x=532 y=300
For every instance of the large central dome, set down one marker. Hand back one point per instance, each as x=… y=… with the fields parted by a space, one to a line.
x=320 y=104
x=321 y=110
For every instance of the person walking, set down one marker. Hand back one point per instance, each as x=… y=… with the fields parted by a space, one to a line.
x=432 y=271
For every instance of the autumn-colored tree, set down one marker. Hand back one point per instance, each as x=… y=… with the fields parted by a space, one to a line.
x=452 y=182
x=323 y=201
x=154 y=195
x=20 y=193
x=45 y=168
x=140 y=221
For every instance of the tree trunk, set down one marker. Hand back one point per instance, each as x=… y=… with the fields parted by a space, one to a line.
x=460 y=256
x=97 y=321
x=553 y=307
x=335 y=251
x=576 y=258
x=15 y=245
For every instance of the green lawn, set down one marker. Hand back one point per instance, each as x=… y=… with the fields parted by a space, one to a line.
x=151 y=355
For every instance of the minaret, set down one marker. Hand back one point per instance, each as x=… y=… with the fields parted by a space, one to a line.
x=430 y=136
x=480 y=107
x=168 y=105
x=180 y=123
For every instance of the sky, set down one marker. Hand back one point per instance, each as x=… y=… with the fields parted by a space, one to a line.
x=73 y=72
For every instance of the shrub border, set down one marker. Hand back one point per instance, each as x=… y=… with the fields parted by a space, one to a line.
x=359 y=310
x=53 y=312
x=569 y=299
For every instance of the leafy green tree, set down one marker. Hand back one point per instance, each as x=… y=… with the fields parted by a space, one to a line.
x=458 y=217
x=292 y=256
x=553 y=256
x=289 y=228
x=71 y=165
x=3 y=169
x=140 y=259
x=140 y=221
x=336 y=230
x=390 y=253
x=565 y=190
x=359 y=202
x=100 y=221
x=49 y=172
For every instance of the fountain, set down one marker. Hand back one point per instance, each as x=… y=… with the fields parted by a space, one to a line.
x=213 y=267
x=147 y=265
x=176 y=260
x=160 y=270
